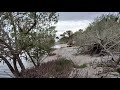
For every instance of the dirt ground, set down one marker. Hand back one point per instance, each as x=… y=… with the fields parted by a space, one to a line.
x=69 y=53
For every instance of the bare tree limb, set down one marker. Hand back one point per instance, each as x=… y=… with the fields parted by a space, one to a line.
x=107 y=50
x=114 y=45
x=34 y=24
x=31 y=58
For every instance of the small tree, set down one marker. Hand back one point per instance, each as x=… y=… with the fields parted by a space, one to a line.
x=102 y=33
x=67 y=37
x=19 y=36
x=43 y=41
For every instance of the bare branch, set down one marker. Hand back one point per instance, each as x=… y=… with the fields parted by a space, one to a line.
x=34 y=24
x=114 y=45
x=107 y=50
x=31 y=58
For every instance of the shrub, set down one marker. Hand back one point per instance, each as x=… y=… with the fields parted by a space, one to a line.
x=104 y=31
x=60 y=68
x=81 y=66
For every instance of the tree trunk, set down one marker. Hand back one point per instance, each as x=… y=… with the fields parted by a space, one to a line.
x=15 y=66
x=31 y=58
x=20 y=63
x=10 y=67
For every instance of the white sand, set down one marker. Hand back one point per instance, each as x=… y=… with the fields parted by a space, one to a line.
x=68 y=52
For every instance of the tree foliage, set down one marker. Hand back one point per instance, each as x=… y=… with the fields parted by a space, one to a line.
x=66 y=37
x=29 y=34
x=103 y=32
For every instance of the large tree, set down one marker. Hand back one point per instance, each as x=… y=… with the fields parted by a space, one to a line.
x=22 y=33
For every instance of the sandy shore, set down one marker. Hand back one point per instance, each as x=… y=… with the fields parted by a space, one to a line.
x=69 y=53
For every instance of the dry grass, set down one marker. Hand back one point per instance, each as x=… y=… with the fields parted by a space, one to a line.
x=60 y=68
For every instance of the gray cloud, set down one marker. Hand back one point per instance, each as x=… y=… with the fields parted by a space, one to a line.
x=80 y=15
x=76 y=20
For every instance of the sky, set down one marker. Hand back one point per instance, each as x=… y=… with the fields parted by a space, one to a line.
x=76 y=20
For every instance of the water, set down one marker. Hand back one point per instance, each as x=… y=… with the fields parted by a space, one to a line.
x=4 y=70
x=6 y=73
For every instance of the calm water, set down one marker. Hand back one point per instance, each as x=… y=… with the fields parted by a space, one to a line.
x=4 y=70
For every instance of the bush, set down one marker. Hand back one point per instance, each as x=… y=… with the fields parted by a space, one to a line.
x=105 y=30
x=60 y=68
x=81 y=66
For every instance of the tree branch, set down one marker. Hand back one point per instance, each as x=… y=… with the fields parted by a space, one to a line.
x=113 y=58
x=6 y=34
x=31 y=58
x=15 y=54
x=9 y=47
x=34 y=24
x=8 y=64
x=114 y=45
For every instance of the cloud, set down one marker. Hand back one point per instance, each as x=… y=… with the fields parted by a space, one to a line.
x=80 y=15
x=72 y=25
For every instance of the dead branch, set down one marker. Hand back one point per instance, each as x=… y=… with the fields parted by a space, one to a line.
x=107 y=50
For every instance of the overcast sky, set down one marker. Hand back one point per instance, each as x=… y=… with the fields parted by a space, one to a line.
x=76 y=20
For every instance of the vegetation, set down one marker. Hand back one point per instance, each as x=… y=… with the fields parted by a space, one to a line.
x=102 y=37
x=81 y=66
x=102 y=34
x=60 y=68
x=63 y=40
x=28 y=35
x=67 y=37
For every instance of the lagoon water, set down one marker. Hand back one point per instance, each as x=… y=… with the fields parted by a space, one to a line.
x=5 y=72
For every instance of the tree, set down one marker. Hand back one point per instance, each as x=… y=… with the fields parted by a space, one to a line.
x=80 y=30
x=43 y=41
x=70 y=37
x=21 y=33
x=103 y=32
x=76 y=36
x=67 y=37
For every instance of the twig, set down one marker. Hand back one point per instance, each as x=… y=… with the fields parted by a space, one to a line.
x=43 y=59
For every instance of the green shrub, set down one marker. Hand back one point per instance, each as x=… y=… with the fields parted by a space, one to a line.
x=81 y=66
